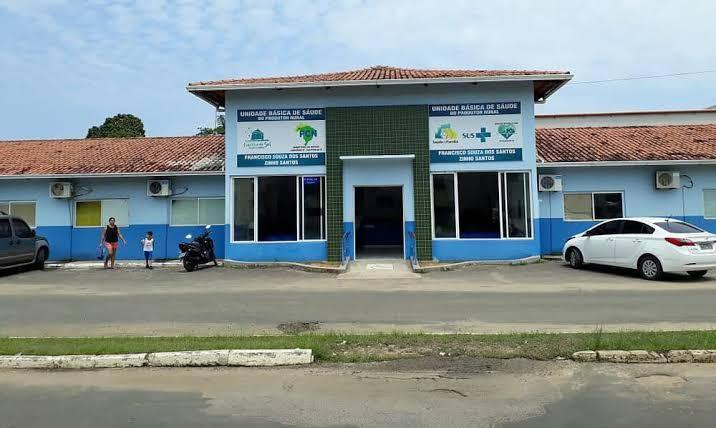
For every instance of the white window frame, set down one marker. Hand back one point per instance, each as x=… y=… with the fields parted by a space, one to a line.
x=198 y=210
x=101 y=220
x=501 y=181
x=9 y=208
x=704 y=199
x=299 y=208
x=591 y=195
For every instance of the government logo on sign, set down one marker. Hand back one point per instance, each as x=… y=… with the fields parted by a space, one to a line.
x=256 y=140
x=306 y=132
x=445 y=132
x=506 y=130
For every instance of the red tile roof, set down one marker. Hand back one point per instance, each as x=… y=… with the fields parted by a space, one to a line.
x=199 y=154
x=113 y=155
x=379 y=72
x=627 y=143
x=213 y=91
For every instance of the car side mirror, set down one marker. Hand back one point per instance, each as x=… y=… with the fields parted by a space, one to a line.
x=588 y=233
x=33 y=233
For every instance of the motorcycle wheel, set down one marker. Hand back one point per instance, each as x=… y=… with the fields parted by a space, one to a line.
x=189 y=265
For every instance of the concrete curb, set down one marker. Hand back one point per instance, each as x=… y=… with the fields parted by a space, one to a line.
x=210 y=358
x=293 y=265
x=459 y=265
x=651 y=357
x=72 y=361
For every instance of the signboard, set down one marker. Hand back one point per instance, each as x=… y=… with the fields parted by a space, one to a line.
x=281 y=137
x=479 y=132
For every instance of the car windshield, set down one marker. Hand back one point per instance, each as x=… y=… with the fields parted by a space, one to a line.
x=678 y=227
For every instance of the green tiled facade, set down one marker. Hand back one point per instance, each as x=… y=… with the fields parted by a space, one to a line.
x=388 y=130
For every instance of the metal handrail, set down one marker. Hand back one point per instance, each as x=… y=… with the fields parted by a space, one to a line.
x=344 y=247
x=413 y=248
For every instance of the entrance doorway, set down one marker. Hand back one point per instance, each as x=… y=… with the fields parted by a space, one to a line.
x=379 y=222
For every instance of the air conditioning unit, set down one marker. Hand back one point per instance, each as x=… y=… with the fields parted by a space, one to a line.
x=549 y=183
x=668 y=180
x=60 y=190
x=158 y=188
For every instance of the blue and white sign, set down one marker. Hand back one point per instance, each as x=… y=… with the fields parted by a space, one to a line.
x=281 y=137
x=477 y=132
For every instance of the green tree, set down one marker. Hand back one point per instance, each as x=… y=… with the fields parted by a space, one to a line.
x=121 y=125
x=219 y=130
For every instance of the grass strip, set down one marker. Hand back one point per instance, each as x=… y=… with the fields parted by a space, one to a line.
x=336 y=347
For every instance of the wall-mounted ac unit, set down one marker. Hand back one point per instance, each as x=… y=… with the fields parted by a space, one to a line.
x=668 y=180
x=60 y=190
x=158 y=188
x=549 y=183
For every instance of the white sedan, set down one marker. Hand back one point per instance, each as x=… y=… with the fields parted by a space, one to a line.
x=650 y=245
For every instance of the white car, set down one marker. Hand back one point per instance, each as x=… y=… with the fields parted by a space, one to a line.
x=650 y=245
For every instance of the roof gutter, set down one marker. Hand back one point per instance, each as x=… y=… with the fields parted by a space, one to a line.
x=112 y=175
x=626 y=163
x=378 y=82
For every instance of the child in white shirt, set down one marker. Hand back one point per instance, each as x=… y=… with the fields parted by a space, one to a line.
x=148 y=246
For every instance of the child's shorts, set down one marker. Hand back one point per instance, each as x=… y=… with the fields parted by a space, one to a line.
x=148 y=255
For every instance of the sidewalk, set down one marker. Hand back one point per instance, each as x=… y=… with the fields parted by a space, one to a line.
x=99 y=264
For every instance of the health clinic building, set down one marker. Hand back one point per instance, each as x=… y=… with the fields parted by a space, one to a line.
x=377 y=162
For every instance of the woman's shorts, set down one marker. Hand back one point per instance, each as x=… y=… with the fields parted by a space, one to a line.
x=111 y=245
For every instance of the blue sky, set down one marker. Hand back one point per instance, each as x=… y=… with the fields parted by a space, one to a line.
x=67 y=64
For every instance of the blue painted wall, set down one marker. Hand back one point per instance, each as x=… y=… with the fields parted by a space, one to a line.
x=641 y=198
x=54 y=217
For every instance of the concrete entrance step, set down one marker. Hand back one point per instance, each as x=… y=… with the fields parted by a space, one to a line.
x=379 y=269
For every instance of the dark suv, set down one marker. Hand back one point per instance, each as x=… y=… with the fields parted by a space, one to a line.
x=19 y=245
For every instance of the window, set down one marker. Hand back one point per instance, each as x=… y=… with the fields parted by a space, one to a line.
x=578 y=206
x=635 y=227
x=486 y=205
x=244 y=209
x=608 y=228
x=517 y=205
x=279 y=208
x=5 y=231
x=607 y=205
x=97 y=213
x=479 y=205
x=24 y=210
x=593 y=206
x=22 y=230
x=678 y=227
x=313 y=208
x=710 y=203
x=194 y=211
x=444 y=205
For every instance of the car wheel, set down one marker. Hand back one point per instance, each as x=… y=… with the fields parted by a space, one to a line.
x=650 y=268
x=40 y=258
x=574 y=258
x=697 y=273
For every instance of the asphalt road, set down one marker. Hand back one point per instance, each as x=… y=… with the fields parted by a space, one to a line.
x=545 y=296
x=437 y=392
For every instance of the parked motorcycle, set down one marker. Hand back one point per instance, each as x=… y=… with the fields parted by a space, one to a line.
x=199 y=250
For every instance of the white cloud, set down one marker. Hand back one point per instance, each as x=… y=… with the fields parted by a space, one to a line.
x=150 y=44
